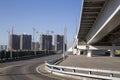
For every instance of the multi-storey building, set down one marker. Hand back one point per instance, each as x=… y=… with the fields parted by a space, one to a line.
x=58 y=42
x=42 y=42
x=19 y=42
x=35 y=46
x=49 y=42
x=3 y=47
x=25 y=42
x=45 y=42
x=14 y=42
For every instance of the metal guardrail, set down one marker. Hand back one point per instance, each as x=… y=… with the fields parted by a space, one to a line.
x=77 y=71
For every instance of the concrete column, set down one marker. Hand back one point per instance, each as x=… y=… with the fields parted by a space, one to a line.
x=112 y=54
x=112 y=51
x=89 y=53
x=79 y=52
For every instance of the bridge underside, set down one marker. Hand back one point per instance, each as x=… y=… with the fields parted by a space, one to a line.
x=111 y=38
x=100 y=25
x=90 y=12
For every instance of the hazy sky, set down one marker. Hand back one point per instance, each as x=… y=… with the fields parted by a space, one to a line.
x=44 y=15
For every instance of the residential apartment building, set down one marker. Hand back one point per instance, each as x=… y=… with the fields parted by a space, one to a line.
x=3 y=47
x=19 y=42
x=45 y=42
x=35 y=46
x=25 y=42
x=58 y=42
x=14 y=42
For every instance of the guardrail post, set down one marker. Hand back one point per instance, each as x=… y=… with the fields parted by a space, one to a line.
x=111 y=75
x=73 y=70
x=52 y=69
x=61 y=69
x=89 y=73
x=45 y=65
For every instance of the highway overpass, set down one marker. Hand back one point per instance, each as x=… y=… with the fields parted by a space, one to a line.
x=99 y=27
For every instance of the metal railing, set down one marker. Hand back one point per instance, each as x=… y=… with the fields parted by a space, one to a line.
x=85 y=72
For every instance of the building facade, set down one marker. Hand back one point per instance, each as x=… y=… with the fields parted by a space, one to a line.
x=42 y=42
x=58 y=42
x=45 y=42
x=19 y=42
x=35 y=46
x=14 y=42
x=3 y=47
x=25 y=42
x=49 y=42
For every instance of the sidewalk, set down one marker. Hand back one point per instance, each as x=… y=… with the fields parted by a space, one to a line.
x=99 y=62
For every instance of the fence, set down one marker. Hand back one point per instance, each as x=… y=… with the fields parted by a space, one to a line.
x=18 y=55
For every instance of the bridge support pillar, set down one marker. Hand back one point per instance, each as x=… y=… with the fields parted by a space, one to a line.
x=89 y=53
x=112 y=51
x=112 y=54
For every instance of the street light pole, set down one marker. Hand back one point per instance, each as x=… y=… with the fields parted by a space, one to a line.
x=63 y=46
x=34 y=41
x=48 y=40
x=10 y=42
x=64 y=42
x=8 y=39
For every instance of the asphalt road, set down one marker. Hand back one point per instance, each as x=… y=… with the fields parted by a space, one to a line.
x=24 y=69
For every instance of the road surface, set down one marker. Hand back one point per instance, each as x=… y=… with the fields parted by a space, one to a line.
x=24 y=69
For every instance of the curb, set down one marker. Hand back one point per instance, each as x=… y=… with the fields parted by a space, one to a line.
x=41 y=70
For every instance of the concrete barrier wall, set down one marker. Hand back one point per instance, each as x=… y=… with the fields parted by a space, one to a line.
x=83 y=47
x=99 y=52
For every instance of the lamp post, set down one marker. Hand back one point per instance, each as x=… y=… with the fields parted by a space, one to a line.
x=10 y=44
x=47 y=41
x=36 y=43
x=34 y=46
x=64 y=42
x=8 y=40
x=63 y=48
